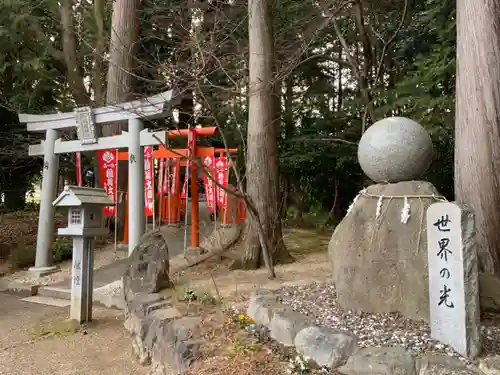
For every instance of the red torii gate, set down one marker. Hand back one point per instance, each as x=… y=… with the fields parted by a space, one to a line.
x=174 y=203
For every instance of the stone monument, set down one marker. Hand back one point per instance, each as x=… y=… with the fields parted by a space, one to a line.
x=453 y=277
x=378 y=252
x=395 y=149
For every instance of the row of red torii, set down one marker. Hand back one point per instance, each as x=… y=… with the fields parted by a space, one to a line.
x=86 y=120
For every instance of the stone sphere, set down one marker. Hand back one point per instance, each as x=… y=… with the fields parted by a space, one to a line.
x=395 y=149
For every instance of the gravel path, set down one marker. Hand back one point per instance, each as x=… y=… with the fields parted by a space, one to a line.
x=376 y=330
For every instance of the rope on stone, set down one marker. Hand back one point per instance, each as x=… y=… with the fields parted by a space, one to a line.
x=433 y=196
x=405 y=215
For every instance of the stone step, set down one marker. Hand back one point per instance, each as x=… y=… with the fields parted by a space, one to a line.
x=54 y=292
x=17 y=288
x=50 y=301
x=109 y=301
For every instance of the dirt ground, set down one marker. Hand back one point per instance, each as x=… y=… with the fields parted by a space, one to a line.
x=34 y=340
x=307 y=247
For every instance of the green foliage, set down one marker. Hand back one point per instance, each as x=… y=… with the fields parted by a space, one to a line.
x=62 y=250
x=22 y=256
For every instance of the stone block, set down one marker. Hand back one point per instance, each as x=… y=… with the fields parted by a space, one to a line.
x=152 y=331
x=437 y=364
x=177 y=347
x=380 y=361
x=147 y=267
x=286 y=324
x=453 y=277
x=379 y=265
x=261 y=307
x=137 y=308
x=489 y=292
x=19 y=289
x=326 y=347
x=490 y=365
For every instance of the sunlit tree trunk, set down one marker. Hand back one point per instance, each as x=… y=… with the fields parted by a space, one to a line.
x=120 y=82
x=261 y=167
x=477 y=127
x=124 y=35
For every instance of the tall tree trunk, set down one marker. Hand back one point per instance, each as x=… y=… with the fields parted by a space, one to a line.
x=477 y=126
x=261 y=166
x=183 y=30
x=70 y=52
x=124 y=35
x=100 y=46
x=120 y=82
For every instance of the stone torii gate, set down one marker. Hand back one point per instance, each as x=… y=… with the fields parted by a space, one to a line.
x=85 y=120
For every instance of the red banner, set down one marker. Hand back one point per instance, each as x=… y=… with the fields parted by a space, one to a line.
x=161 y=172
x=208 y=183
x=184 y=187
x=176 y=177
x=108 y=164
x=149 y=199
x=167 y=175
x=191 y=154
x=221 y=175
x=78 y=165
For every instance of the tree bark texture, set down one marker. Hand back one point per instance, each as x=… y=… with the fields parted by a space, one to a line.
x=261 y=165
x=100 y=46
x=70 y=53
x=120 y=82
x=477 y=123
x=124 y=35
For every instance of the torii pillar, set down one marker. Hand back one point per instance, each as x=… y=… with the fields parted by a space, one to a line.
x=46 y=223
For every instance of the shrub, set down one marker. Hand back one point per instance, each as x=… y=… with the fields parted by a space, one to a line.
x=22 y=256
x=61 y=251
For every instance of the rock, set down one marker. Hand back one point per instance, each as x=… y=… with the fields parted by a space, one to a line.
x=178 y=349
x=148 y=267
x=380 y=264
x=437 y=364
x=395 y=149
x=138 y=308
x=153 y=326
x=260 y=307
x=490 y=365
x=285 y=324
x=380 y=361
x=160 y=335
x=489 y=292
x=325 y=346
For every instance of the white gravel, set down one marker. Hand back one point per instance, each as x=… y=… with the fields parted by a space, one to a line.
x=377 y=330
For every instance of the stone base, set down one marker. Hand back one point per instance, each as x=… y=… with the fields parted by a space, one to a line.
x=42 y=271
x=192 y=252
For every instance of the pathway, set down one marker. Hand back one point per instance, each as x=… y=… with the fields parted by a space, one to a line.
x=174 y=236
x=104 y=349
